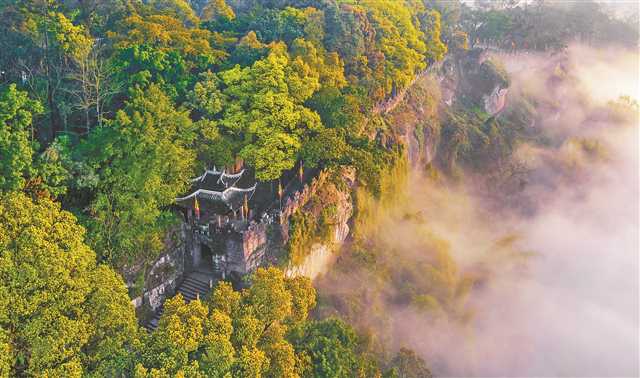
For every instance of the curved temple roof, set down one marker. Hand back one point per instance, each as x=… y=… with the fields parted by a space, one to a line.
x=213 y=172
x=231 y=197
x=224 y=178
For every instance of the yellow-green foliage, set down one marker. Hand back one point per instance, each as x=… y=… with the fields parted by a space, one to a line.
x=61 y=315
x=232 y=334
x=314 y=223
x=370 y=208
x=301 y=236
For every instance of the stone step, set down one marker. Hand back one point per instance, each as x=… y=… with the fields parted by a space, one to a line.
x=189 y=289
x=152 y=324
x=189 y=293
x=196 y=285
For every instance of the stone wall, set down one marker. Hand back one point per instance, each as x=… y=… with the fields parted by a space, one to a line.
x=163 y=276
x=297 y=201
x=244 y=250
x=253 y=238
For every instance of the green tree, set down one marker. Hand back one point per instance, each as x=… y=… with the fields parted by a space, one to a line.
x=60 y=314
x=248 y=50
x=251 y=363
x=16 y=137
x=431 y=27
x=407 y=364
x=265 y=111
x=268 y=296
x=54 y=167
x=216 y=10
x=303 y=298
x=329 y=346
x=218 y=356
x=225 y=299
x=144 y=163
x=180 y=333
x=328 y=68
x=399 y=39
x=142 y=65
x=167 y=33
x=207 y=101
x=50 y=45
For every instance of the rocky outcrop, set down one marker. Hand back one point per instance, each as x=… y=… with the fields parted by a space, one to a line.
x=315 y=264
x=298 y=200
x=321 y=254
x=162 y=276
x=495 y=101
x=415 y=122
x=481 y=81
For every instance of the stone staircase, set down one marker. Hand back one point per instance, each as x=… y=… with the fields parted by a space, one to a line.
x=193 y=286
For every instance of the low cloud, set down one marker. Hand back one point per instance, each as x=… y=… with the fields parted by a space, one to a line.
x=555 y=288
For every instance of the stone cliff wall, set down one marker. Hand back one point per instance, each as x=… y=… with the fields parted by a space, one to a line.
x=321 y=254
x=415 y=122
x=469 y=79
x=164 y=275
x=297 y=201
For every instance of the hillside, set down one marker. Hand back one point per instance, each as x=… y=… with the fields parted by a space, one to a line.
x=317 y=188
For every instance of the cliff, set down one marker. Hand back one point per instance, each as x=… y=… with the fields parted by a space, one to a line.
x=319 y=222
x=413 y=120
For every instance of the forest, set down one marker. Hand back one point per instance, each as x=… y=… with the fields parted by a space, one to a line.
x=109 y=107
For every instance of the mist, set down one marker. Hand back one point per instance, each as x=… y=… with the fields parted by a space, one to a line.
x=542 y=279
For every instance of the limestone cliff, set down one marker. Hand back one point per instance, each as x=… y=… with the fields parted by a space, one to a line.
x=320 y=224
x=413 y=121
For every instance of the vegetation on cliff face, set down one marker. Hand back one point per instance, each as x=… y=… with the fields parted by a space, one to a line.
x=315 y=223
x=401 y=261
x=473 y=140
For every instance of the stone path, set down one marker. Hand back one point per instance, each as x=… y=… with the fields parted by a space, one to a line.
x=196 y=284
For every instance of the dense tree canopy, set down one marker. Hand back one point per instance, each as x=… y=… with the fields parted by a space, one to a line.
x=261 y=331
x=112 y=105
x=60 y=313
x=143 y=161
x=16 y=137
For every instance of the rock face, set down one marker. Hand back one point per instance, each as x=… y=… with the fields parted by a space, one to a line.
x=415 y=122
x=470 y=78
x=321 y=255
x=343 y=216
x=162 y=277
x=496 y=100
x=315 y=264
x=482 y=81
